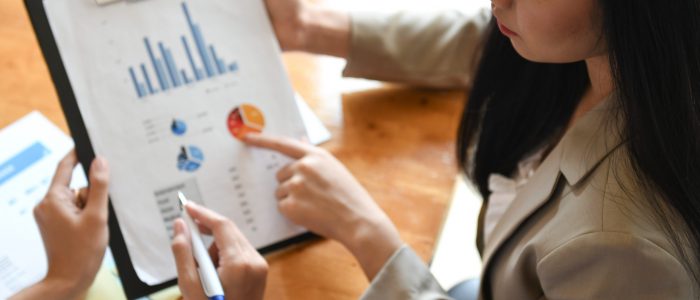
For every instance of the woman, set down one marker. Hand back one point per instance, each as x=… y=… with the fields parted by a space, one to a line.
x=581 y=133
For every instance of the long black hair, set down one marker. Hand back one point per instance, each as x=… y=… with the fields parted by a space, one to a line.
x=517 y=106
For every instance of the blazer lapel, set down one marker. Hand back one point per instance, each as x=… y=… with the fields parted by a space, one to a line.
x=579 y=151
x=533 y=195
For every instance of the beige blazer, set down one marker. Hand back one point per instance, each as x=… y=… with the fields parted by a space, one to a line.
x=573 y=231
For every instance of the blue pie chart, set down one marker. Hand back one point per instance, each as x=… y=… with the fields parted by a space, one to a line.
x=178 y=127
x=189 y=159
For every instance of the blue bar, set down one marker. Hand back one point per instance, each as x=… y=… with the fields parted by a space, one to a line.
x=156 y=65
x=142 y=89
x=21 y=161
x=169 y=56
x=170 y=65
x=136 y=83
x=163 y=75
x=219 y=66
x=189 y=56
x=208 y=64
x=184 y=77
x=148 y=79
x=199 y=41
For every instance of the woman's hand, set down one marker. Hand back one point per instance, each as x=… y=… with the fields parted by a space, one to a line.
x=73 y=227
x=242 y=270
x=319 y=193
x=300 y=26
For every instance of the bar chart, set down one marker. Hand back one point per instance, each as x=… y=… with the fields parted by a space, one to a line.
x=204 y=64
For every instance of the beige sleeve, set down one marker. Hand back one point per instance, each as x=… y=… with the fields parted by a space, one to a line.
x=405 y=277
x=434 y=50
x=612 y=265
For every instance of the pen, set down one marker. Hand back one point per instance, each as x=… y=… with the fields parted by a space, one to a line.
x=207 y=272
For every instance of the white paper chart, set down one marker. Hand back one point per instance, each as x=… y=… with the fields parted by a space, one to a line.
x=166 y=89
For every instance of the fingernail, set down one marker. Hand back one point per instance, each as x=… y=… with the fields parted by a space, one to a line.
x=177 y=226
x=191 y=206
x=99 y=163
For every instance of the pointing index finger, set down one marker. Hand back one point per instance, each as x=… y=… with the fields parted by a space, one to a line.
x=289 y=147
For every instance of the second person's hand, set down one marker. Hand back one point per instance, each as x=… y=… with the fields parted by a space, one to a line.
x=73 y=227
x=286 y=18
x=317 y=191
x=301 y=26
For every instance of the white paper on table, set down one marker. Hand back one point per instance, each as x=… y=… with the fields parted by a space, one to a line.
x=161 y=137
x=30 y=150
x=456 y=258
x=316 y=131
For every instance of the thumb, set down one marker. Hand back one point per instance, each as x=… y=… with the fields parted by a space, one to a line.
x=187 y=274
x=99 y=187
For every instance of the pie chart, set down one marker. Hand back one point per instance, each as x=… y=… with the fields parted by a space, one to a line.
x=189 y=159
x=244 y=119
x=178 y=127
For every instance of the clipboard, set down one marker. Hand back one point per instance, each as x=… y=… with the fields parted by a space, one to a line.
x=133 y=286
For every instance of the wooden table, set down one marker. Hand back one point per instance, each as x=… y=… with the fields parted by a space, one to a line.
x=399 y=142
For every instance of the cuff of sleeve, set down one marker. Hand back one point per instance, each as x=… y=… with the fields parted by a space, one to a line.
x=404 y=276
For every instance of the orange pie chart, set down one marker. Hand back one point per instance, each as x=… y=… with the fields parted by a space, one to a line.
x=244 y=119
